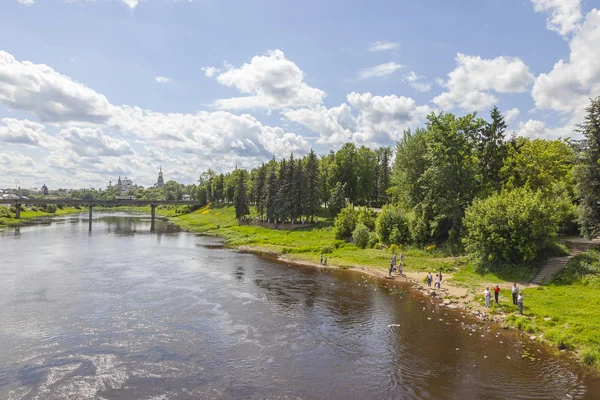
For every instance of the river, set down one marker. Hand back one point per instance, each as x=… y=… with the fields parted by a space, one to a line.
x=123 y=313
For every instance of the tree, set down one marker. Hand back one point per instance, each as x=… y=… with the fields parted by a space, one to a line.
x=337 y=199
x=366 y=167
x=360 y=236
x=492 y=149
x=409 y=166
x=271 y=193
x=588 y=172
x=345 y=170
x=391 y=219
x=383 y=174
x=538 y=164
x=345 y=222
x=450 y=181
x=240 y=196
x=512 y=226
x=312 y=185
x=259 y=190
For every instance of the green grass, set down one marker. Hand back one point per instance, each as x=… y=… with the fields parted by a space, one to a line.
x=302 y=243
x=566 y=311
x=7 y=216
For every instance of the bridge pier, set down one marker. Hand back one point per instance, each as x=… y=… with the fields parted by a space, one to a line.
x=153 y=214
x=90 y=218
x=17 y=211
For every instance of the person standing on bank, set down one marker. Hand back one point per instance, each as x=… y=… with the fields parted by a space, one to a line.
x=520 y=303
x=438 y=282
x=488 y=296
x=515 y=292
x=496 y=292
x=429 y=279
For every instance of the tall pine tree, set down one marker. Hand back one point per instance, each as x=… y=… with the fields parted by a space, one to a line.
x=588 y=172
x=271 y=194
x=240 y=196
x=492 y=150
x=312 y=185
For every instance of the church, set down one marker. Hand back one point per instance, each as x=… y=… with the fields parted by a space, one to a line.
x=161 y=181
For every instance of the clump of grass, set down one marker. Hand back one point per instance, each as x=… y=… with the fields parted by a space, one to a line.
x=591 y=357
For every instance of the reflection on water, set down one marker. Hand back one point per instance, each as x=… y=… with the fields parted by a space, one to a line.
x=124 y=313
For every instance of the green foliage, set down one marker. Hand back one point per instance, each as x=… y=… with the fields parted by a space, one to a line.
x=583 y=269
x=337 y=200
x=511 y=226
x=51 y=208
x=345 y=223
x=360 y=235
x=392 y=218
x=588 y=172
x=367 y=217
x=373 y=239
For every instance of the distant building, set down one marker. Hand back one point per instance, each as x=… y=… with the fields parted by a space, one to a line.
x=161 y=180
x=123 y=186
x=44 y=190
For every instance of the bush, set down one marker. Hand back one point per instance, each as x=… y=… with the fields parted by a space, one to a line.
x=373 y=239
x=389 y=218
x=511 y=226
x=51 y=208
x=345 y=223
x=361 y=235
x=326 y=249
x=367 y=217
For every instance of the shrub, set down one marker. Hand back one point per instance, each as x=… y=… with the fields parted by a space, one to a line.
x=511 y=226
x=326 y=249
x=51 y=208
x=345 y=223
x=389 y=218
x=361 y=235
x=367 y=217
x=373 y=239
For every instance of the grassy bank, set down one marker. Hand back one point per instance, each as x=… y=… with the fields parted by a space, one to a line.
x=7 y=215
x=564 y=313
x=303 y=243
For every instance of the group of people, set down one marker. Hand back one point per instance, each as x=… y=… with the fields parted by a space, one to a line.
x=396 y=267
x=438 y=280
x=517 y=297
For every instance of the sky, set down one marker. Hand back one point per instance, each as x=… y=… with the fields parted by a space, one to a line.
x=91 y=90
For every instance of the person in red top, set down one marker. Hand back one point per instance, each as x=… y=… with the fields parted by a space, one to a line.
x=496 y=293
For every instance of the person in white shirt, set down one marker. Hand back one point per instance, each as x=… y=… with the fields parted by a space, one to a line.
x=520 y=303
x=487 y=295
x=515 y=292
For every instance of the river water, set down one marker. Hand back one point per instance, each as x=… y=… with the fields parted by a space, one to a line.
x=123 y=313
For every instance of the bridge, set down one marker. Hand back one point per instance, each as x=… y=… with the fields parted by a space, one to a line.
x=100 y=203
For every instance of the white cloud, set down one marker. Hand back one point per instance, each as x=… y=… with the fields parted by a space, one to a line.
x=26 y=2
x=49 y=95
x=470 y=83
x=538 y=130
x=163 y=79
x=91 y=147
x=380 y=120
x=335 y=125
x=511 y=115
x=89 y=142
x=379 y=70
x=21 y=132
x=271 y=81
x=564 y=14
x=210 y=71
x=383 y=45
x=383 y=119
x=130 y=3
x=418 y=82
x=569 y=86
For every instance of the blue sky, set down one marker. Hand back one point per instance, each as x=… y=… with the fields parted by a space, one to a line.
x=90 y=90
